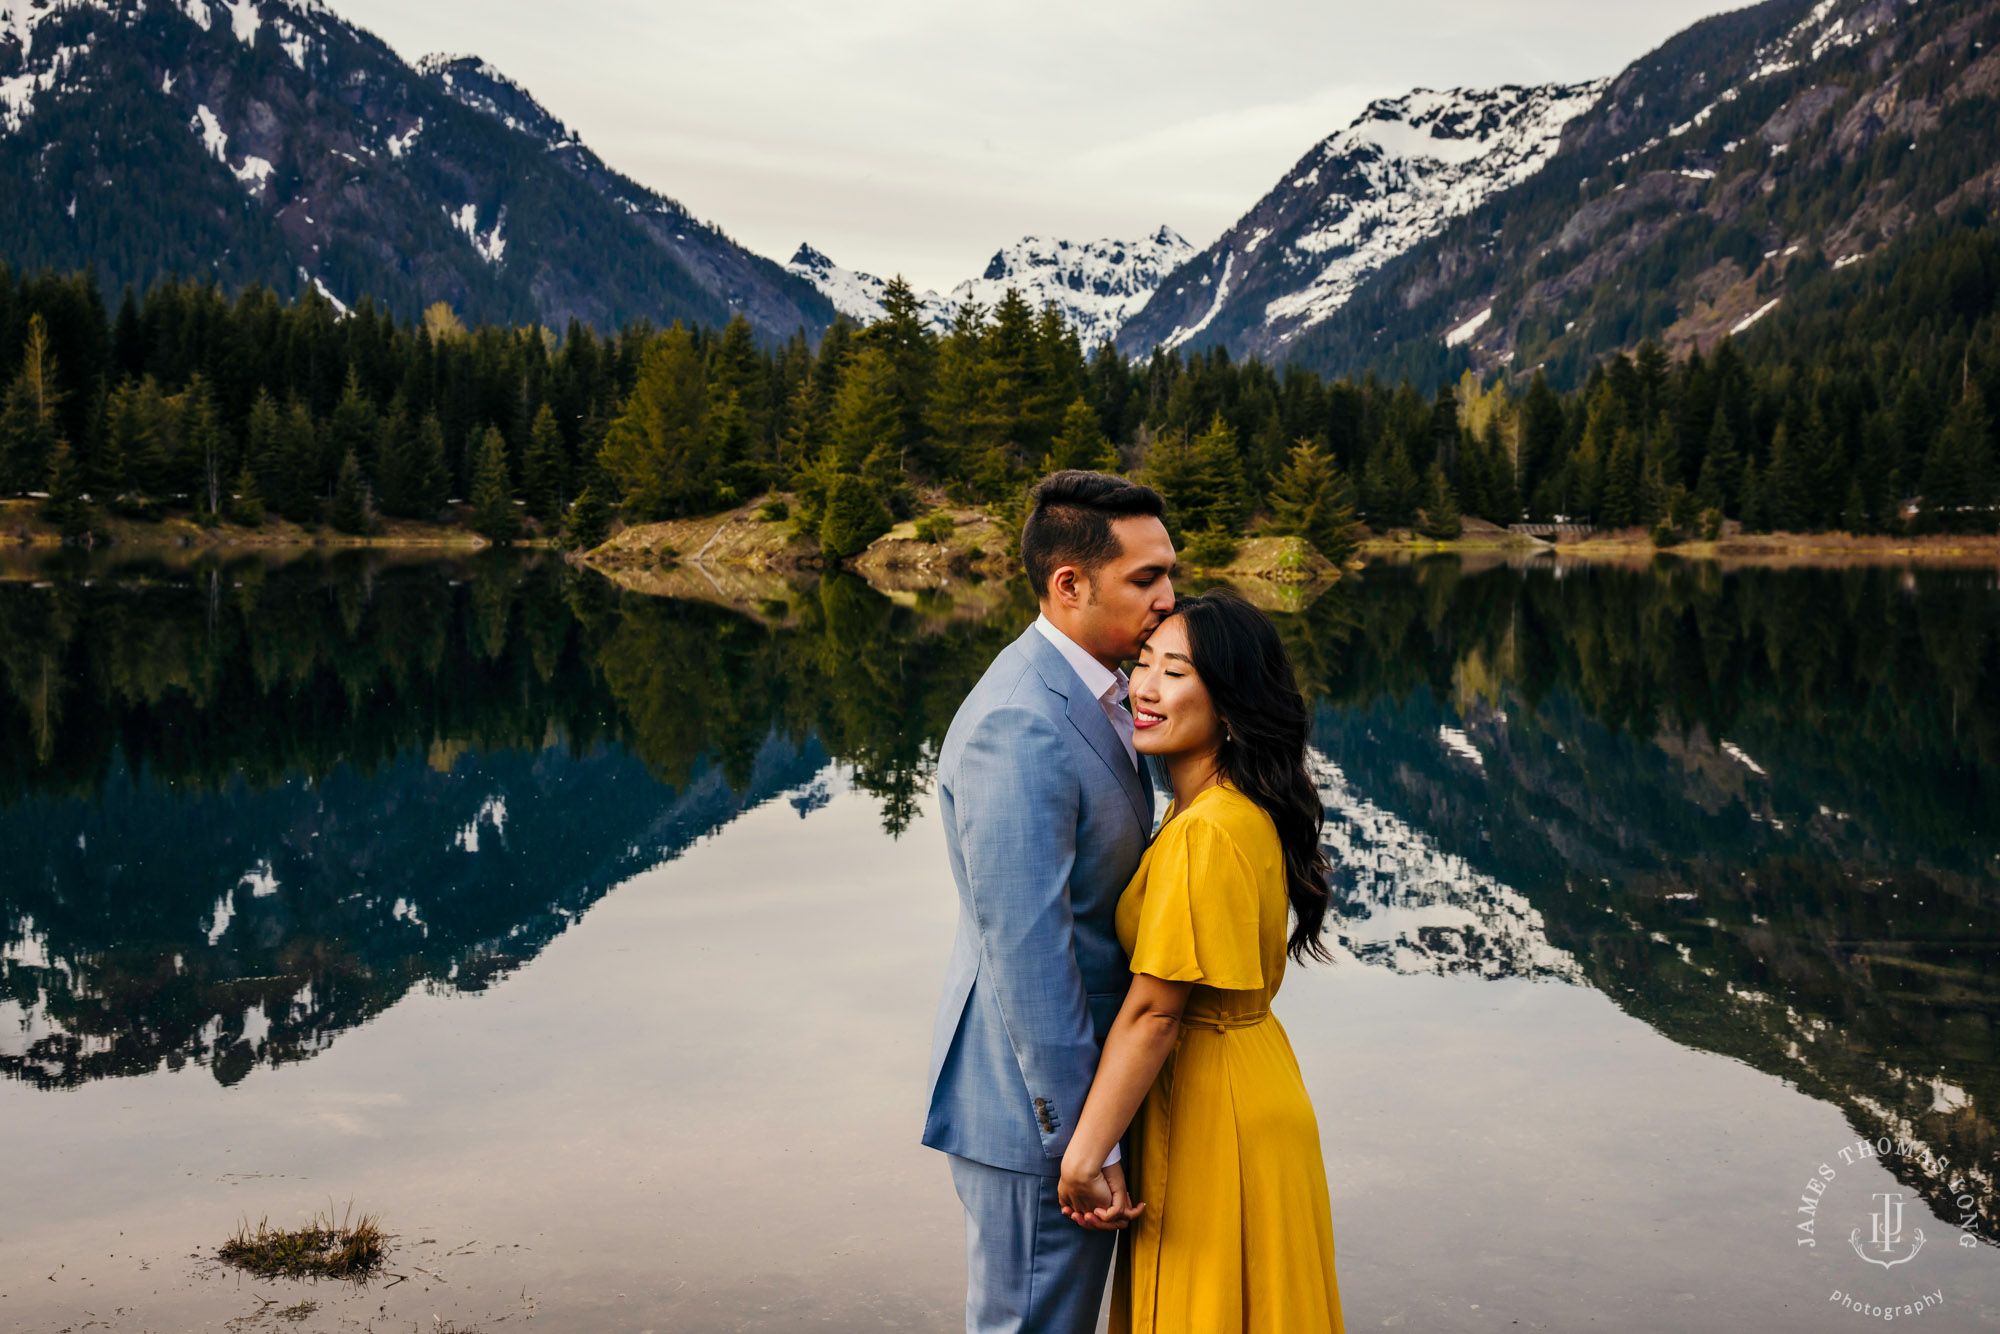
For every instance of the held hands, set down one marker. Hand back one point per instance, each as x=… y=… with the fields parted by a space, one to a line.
x=1095 y=1198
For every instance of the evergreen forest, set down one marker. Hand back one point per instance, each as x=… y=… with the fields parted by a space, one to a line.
x=1867 y=411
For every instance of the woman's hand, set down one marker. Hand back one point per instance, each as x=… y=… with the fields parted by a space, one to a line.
x=1096 y=1198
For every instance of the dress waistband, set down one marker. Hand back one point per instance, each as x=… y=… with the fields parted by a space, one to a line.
x=1221 y=1024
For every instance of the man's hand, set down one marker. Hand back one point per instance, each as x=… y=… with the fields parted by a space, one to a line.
x=1096 y=1200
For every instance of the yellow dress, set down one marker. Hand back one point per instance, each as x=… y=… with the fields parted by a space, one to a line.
x=1237 y=1237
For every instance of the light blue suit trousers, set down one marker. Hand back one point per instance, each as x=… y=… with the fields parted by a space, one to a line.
x=1045 y=819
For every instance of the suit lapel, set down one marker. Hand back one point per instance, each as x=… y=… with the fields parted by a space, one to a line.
x=1087 y=716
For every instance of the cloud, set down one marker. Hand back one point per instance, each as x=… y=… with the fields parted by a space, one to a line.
x=905 y=134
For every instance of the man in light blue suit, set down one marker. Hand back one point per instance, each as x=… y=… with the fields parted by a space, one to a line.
x=1047 y=811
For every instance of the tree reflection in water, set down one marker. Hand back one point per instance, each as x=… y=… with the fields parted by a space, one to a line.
x=247 y=804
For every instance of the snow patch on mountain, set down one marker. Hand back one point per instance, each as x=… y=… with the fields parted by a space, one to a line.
x=399 y=144
x=1409 y=165
x=491 y=245
x=39 y=72
x=1097 y=285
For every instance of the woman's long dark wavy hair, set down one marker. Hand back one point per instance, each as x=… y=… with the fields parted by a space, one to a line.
x=1240 y=659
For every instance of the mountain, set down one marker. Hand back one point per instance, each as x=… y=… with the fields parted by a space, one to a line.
x=1713 y=188
x=1404 y=169
x=859 y=295
x=1097 y=285
x=273 y=142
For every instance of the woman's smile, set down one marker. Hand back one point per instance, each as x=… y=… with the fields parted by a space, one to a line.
x=1143 y=718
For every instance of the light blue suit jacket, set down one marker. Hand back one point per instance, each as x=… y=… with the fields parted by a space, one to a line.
x=1045 y=819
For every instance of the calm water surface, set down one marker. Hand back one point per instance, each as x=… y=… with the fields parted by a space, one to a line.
x=592 y=938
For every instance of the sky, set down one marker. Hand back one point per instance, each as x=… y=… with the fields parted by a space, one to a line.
x=917 y=137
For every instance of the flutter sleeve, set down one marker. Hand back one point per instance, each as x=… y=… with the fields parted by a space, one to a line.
x=1198 y=921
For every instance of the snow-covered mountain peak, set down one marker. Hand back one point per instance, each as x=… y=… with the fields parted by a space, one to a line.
x=1459 y=126
x=859 y=295
x=1097 y=285
x=1403 y=169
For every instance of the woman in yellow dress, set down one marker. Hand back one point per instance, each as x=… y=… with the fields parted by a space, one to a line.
x=1235 y=1233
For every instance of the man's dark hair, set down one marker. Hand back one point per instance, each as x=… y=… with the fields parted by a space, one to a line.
x=1070 y=522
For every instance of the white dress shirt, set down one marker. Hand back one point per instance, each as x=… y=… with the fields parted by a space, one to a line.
x=1110 y=687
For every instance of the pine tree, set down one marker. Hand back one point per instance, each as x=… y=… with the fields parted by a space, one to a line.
x=137 y=446
x=429 y=483
x=493 y=514
x=350 y=430
x=659 y=449
x=349 y=511
x=855 y=516
x=296 y=494
x=904 y=337
x=1750 y=506
x=204 y=447
x=1854 y=514
x=1224 y=502
x=866 y=423
x=1200 y=478
x=542 y=469
x=1541 y=437
x=1081 y=443
x=1721 y=478
x=1787 y=500
x=29 y=430
x=1618 y=506
x=588 y=522
x=1957 y=486
x=1503 y=494
x=1439 y=520
x=1313 y=499
x=1881 y=483
x=64 y=507
x=261 y=432
x=1394 y=489
x=246 y=506
x=955 y=429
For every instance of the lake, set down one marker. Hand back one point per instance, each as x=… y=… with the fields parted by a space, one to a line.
x=592 y=937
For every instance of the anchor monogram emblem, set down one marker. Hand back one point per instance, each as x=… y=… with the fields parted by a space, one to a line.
x=1886 y=1232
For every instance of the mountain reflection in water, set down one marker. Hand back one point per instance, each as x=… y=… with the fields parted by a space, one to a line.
x=248 y=805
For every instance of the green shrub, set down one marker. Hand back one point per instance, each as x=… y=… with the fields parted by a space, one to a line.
x=774 y=510
x=855 y=516
x=935 y=528
x=588 y=522
x=1711 y=524
x=1213 y=545
x=1665 y=534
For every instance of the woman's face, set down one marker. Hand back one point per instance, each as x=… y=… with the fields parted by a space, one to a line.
x=1171 y=711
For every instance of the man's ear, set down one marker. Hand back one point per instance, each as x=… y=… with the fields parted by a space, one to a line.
x=1065 y=587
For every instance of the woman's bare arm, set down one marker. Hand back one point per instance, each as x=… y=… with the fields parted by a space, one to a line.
x=1142 y=1035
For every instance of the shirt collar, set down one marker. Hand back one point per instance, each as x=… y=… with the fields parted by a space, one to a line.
x=1098 y=679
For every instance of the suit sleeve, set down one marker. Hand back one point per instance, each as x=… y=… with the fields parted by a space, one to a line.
x=1017 y=800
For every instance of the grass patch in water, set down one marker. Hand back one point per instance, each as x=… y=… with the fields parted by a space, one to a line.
x=349 y=1249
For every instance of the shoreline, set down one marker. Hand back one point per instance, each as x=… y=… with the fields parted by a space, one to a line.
x=1776 y=550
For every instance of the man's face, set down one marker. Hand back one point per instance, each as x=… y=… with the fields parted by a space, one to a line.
x=1131 y=593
